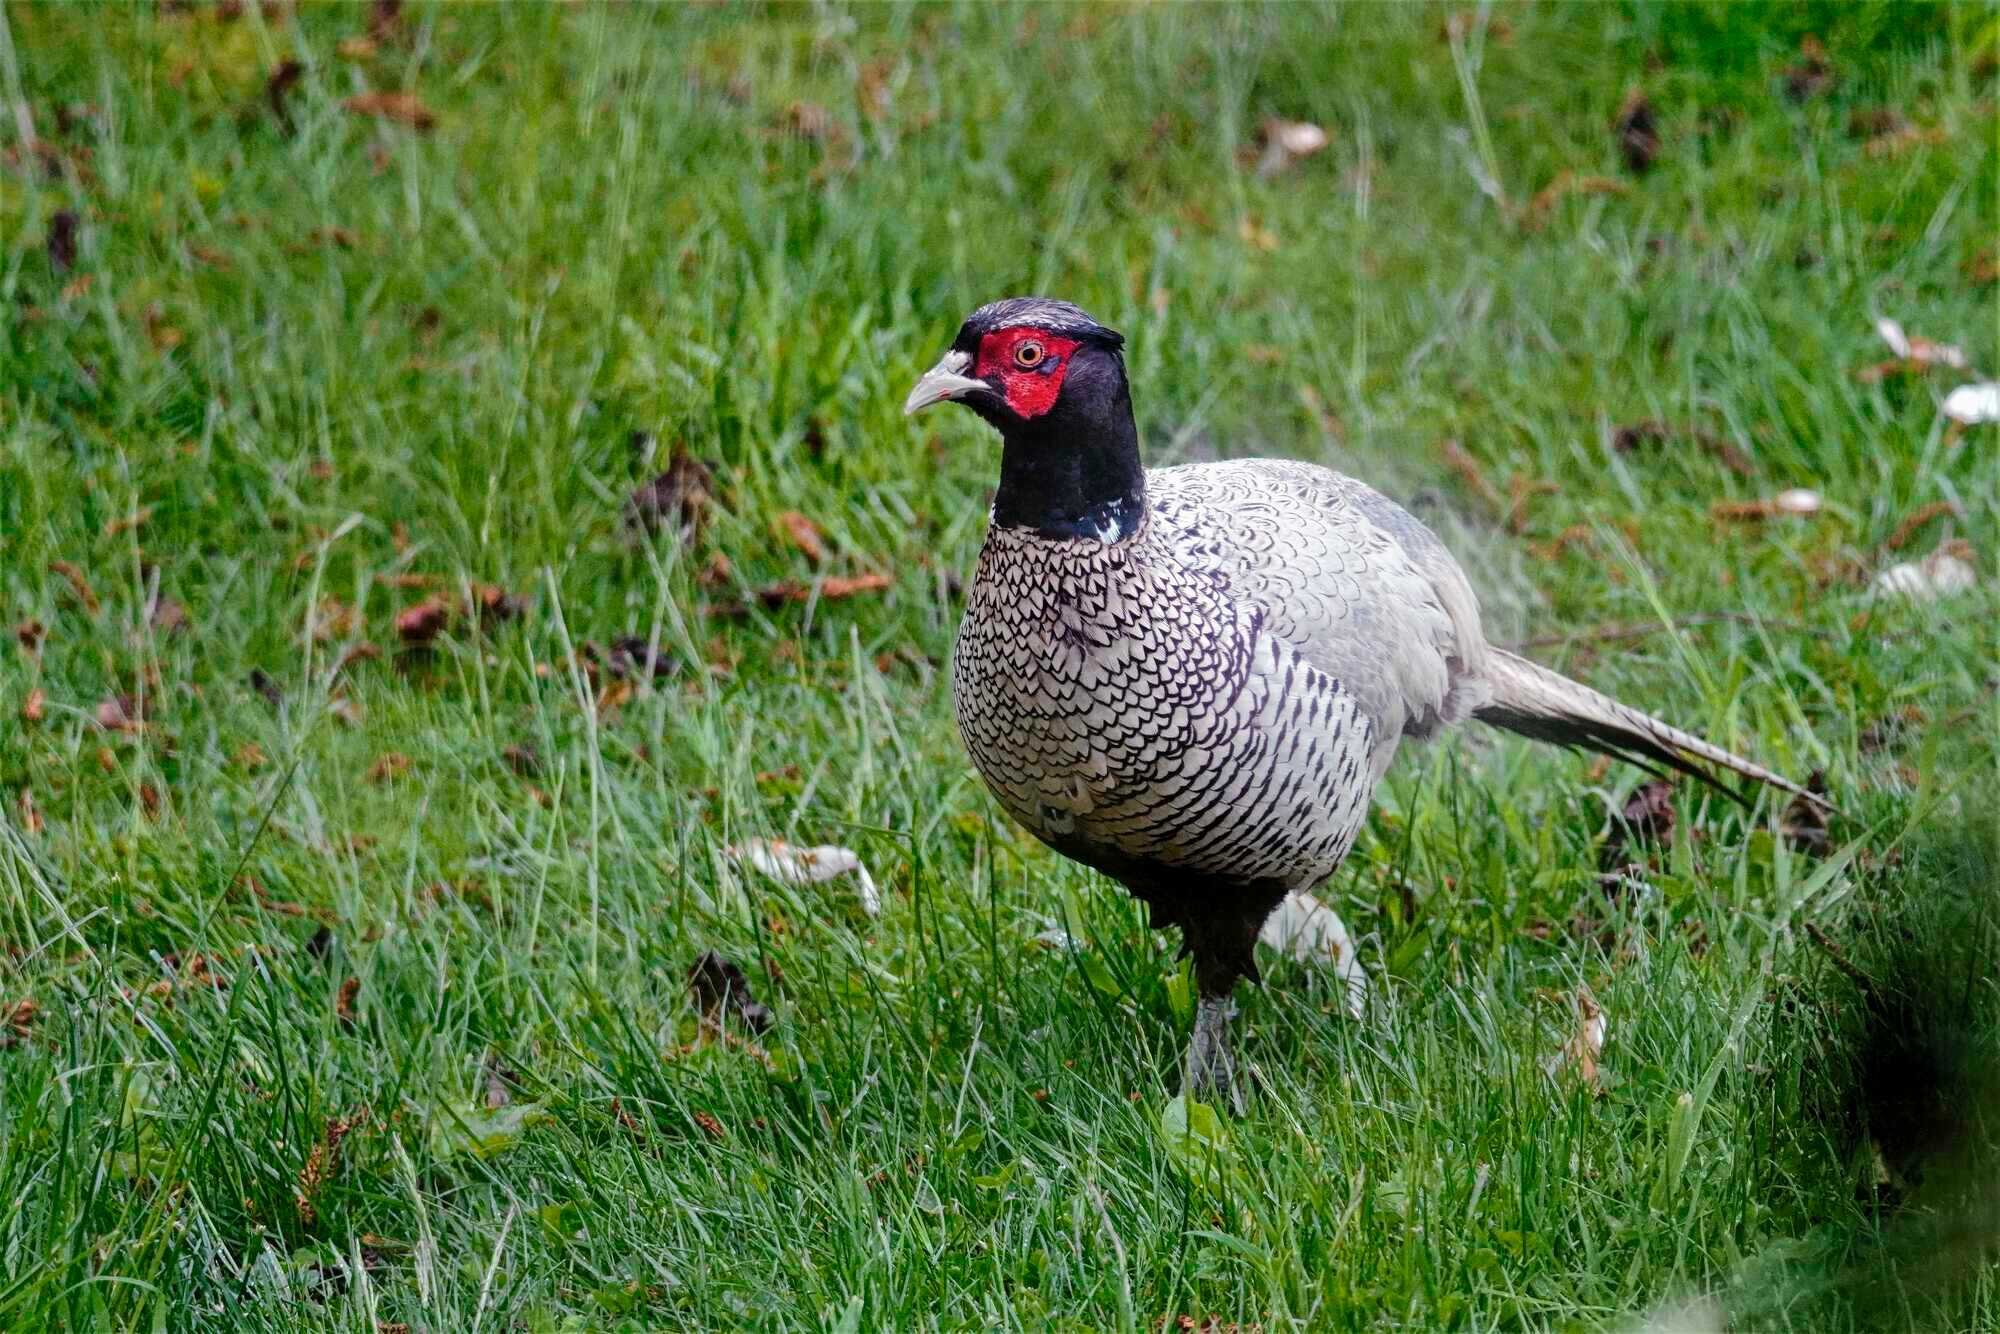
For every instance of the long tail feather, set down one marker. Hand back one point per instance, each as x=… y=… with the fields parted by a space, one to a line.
x=1530 y=699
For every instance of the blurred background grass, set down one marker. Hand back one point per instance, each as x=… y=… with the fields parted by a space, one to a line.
x=292 y=350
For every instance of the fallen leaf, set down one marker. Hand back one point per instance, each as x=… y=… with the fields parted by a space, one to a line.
x=127 y=522
x=1637 y=133
x=1285 y=144
x=677 y=499
x=168 y=616
x=1313 y=933
x=345 y=709
x=492 y=603
x=332 y=619
x=383 y=18
x=77 y=583
x=1920 y=353
x=720 y=990
x=119 y=713
x=419 y=625
x=30 y=814
x=29 y=635
x=809 y=120
x=1814 y=73
x=1803 y=822
x=1586 y=1039
x=34 y=706
x=1797 y=501
x=1647 y=816
x=523 y=760
x=1946 y=572
x=278 y=88
x=1626 y=439
x=264 y=684
x=1468 y=470
x=615 y=696
x=19 y=1021
x=1974 y=404
x=389 y=766
x=343 y=1005
x=1565 y=184
x=1257 y=236
x=804 y=535
x=1922 y=515
x=402 y=108
x=633 y=656
x=61 y=244
x=500 y=1081
x=249 y=756
x=322 y=1162
x=838 y=586
x=805 y=866
x=711 y=1125
x=149 y=801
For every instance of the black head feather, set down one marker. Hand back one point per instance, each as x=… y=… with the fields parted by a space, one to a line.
x=1040 y=312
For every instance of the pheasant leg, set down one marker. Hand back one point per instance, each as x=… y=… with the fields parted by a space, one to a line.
x=1211 y=1068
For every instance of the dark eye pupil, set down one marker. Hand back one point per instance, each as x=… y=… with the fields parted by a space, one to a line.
x=1029 y=354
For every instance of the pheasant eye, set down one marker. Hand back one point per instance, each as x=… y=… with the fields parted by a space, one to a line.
x=1029 y=354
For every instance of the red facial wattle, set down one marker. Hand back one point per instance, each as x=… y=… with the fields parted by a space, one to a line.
x=1030 y=390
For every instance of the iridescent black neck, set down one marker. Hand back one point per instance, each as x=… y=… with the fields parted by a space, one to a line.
x=1076 y=472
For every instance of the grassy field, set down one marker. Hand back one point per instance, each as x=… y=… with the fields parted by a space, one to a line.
x=350 y=880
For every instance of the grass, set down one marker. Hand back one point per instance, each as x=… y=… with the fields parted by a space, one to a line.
x=325 y=1039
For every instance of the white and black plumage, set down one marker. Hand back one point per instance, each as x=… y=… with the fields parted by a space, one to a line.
x=1192 y=678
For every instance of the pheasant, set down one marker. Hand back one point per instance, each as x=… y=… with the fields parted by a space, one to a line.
x=1192 y=678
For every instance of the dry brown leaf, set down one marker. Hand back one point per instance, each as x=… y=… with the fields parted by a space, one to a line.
x=249 y=756
x=29 y=635
x=365 y=651
x=1469 y=472
x=77 y=583
x=1586 y=1039
x=343 y=1005
x=1922 y=515
x=1814 y=73
x=846 y=586
x=388 y=767
x=1255 y=235
x=1628 y=438
x=1898 y=142
x=720 y=990
x=19 y=1019
x=417 y=626
x=491 y=603
x=331 y=620
x=676 y=500
x=803 y=534
x=136 y=519
x=1637 y=133
x=30 y=814
x=402 y=108
x=1569 y=183
x=1920 y=353
x=119 y=713
x=149 y=801
x=1803 y=822
x=35 y=705
x=710 y=1124
x=61 y=243
x=1797 y=501
x=614 y=696
x=523 y=760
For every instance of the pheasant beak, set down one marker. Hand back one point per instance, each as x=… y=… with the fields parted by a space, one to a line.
x=945 y=380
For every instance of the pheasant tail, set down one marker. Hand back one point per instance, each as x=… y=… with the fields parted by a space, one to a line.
x=1536 y=702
